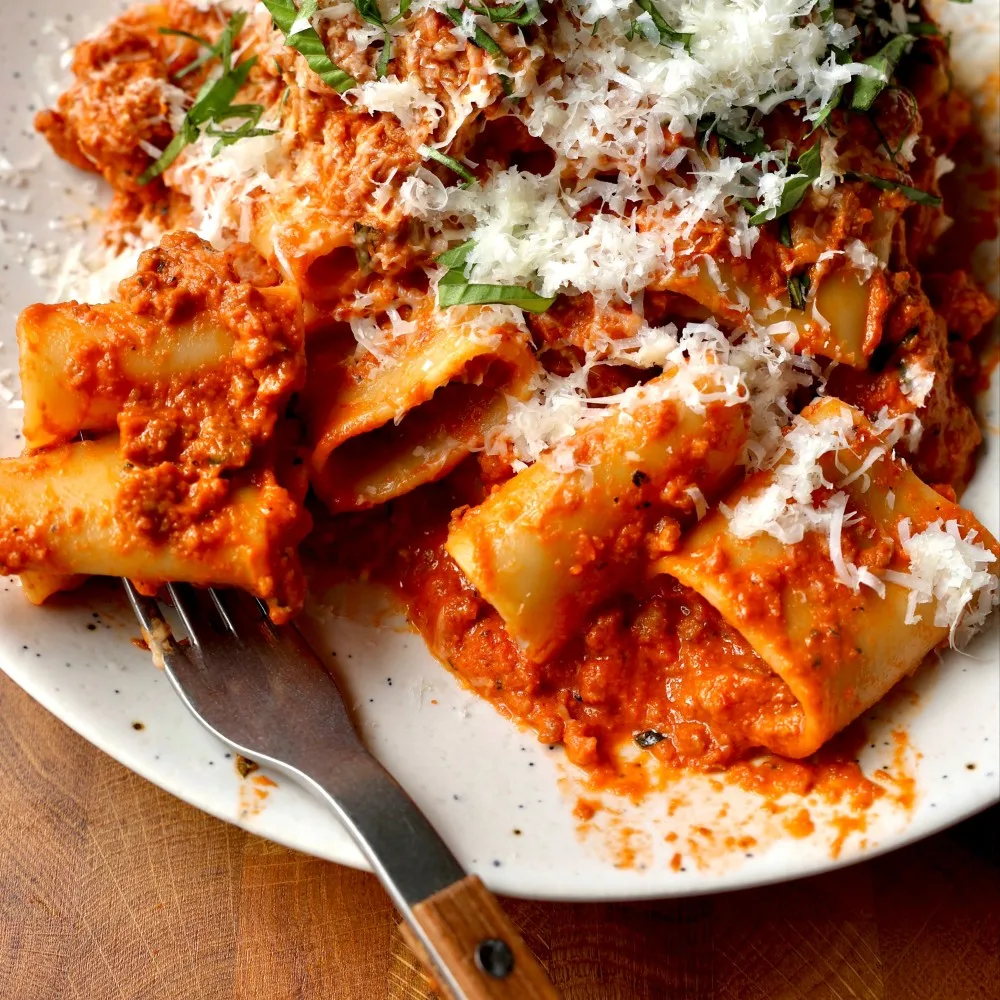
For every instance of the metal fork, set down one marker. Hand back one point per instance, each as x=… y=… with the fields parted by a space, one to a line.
x=264 y=692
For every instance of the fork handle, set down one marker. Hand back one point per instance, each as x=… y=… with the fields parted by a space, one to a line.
x=478 y=944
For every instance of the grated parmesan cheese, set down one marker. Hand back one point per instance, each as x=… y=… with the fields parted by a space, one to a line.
x=950 y=571
x=753 y=371
x=784 y=509
x=944 y=566
x=893 y=428
x=607 y=102
x=917 y=382
x=219 y=186
x=864 y=260
x=402 y=98
x=377 y=340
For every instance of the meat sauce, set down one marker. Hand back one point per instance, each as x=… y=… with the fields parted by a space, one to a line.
x=660 y=662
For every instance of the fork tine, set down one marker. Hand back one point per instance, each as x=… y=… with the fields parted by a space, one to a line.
x=147 y=611
x=200 y=614
x=244 y=615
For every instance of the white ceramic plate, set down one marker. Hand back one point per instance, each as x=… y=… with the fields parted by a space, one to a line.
x=504 y=802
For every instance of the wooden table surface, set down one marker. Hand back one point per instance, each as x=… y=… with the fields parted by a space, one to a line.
x=110 y=888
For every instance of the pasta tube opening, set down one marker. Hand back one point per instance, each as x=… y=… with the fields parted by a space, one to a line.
x=383 y=429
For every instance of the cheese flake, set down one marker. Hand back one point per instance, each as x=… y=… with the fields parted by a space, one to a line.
x=953 y=572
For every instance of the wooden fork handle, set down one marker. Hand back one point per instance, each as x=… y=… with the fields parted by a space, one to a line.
x=479 y=945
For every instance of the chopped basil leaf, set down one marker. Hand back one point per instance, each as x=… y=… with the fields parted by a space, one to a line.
x=808 y=166
x=785 y=232
x=928 y=27
x=245 y=131
x=214 y=104
x=186 y=135
x=648 y=738
x=668 y=35
x=454 y=289
x=884 y=184
x=479 y=38
x=303 y=22
x=209 y=53
x=866 y=89
x=429 y=153
x=456 y=257
x=178 y=33
x=797 y=284
x=750 y=142
x=521 y=13
x=404 y=9
x=842 y=57
x=826 y=110
x=215 y=100
x=798 y=289
x=308 y=43
x=249 y=129
x=222 y=49
x=370 y=12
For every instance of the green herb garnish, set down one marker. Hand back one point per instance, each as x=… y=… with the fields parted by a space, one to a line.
x=222 y=49
x=749 y=142
x=307 y=42
x=429 y=153
x=214 y=104
x=797 y=284
x=842 y=56
x=455 y=289
x=884 y=184
x=808 y=168
x=521 y=13
x=798 y=289
x=248 y=130
x=866 y=89
x=668 y=35
x=370 y=12
x=404 y=9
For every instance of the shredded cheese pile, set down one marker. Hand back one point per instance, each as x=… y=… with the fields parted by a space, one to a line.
x=952 y=571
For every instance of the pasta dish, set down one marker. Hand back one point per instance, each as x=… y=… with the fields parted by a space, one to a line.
x=613 y=336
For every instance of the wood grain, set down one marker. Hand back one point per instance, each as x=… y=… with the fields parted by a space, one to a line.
x=113 y=890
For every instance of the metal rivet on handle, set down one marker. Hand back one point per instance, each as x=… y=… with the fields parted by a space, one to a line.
x=495 y=958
